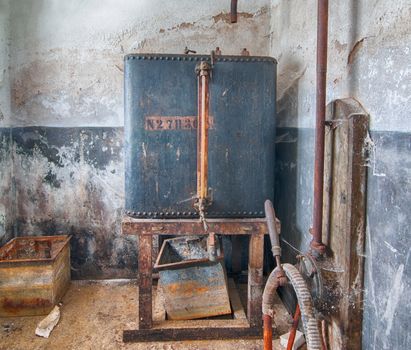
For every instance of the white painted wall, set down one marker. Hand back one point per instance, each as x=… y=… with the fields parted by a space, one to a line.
x=68 y=55
x=5 y=113
x=379 y=72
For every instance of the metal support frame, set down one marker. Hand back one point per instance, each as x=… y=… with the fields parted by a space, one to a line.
x=147 y=229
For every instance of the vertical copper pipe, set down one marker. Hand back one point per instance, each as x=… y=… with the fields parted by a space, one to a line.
x=202 y=131
x=293 y=331
x=324 y=335
x=322 y=37
x=199 y=109
x=268 y=332
x=204 y=136
x=233 y=14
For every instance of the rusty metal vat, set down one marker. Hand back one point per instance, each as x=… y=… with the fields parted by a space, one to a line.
x=161 y=117
x=34 y=274
x=193 y=286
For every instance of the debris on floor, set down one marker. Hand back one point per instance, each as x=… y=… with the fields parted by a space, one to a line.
x=298 y=341
x=96 y=313
x=9 y=328
x=47 y=324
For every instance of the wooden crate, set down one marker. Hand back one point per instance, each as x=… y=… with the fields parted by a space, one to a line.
x=34 y=274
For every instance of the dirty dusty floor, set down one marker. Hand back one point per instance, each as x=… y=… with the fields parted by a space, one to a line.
x=93 y=316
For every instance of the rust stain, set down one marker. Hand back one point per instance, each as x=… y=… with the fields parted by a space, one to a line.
x=183 y=25
x=16 y=306
x=132 y=226
x=339 y=47
x=225 y=17
x=28 y=249
x=187 y=289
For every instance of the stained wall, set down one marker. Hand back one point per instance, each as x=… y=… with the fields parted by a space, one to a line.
x=62 y=122
x=369 y=48
x=7 y=213
x=66 y=82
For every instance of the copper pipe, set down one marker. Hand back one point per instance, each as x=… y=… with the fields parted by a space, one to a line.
x=233 y=13
x=268 y=332
x=324 y=335
x=293 y=332
x=322 y=37
x=199 y=109
x=202 y=131
x=204 y=136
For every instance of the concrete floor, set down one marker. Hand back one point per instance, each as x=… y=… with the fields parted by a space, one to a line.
x=93 y=316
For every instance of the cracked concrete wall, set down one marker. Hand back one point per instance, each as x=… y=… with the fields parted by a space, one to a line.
x=369 y=48
x=66 y=79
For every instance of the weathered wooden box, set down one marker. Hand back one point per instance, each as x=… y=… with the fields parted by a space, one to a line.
x=193 y=287
x=34 y=274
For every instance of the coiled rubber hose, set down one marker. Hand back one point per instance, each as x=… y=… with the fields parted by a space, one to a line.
x=310 y=325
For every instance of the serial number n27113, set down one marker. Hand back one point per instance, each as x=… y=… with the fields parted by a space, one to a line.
x=158 y=123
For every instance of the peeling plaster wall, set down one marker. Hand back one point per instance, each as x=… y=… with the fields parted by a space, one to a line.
x=68 y=55
x=66 y=84
x=369 y=47
x=6 y=165
x=73 y=184
x=369 y=50
x=5 y=113
x=7 y=212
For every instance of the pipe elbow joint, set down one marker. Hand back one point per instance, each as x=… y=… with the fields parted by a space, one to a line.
x=276 y=279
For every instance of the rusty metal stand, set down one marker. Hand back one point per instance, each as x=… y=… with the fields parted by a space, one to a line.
x=146 y=229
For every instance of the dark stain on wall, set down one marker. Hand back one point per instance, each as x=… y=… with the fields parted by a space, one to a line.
x=293 y=188
x=6 y=186
x=71 y=181
x=51 y=179
x=51 y=142
x=387 y=307
x=387 y=296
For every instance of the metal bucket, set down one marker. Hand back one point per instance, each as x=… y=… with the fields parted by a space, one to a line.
x=193 y=286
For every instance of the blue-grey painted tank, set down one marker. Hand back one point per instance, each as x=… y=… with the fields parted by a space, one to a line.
x=161 y=137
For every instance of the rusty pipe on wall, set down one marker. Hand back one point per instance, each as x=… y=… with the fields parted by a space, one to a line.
x=233 y=13
x=321 y=94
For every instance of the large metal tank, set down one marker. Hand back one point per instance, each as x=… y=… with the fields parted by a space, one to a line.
x=161 y=139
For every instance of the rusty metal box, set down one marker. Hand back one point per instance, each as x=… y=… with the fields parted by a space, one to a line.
x=193 y=287
x=34 y=274
x=161 y=138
